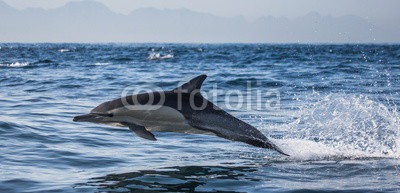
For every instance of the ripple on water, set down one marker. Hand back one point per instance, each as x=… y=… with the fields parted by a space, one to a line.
x=338 y=119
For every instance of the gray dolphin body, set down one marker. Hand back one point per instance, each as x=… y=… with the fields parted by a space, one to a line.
x=183 y=110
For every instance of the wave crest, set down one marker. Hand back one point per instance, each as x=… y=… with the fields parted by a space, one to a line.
x=15 y=64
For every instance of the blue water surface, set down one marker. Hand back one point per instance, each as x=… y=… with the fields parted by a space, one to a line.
x=333 y=108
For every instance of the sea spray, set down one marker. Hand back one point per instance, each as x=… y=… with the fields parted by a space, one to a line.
x=342 y=125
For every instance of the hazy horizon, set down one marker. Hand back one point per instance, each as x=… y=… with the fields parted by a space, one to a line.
x=178 y=21
x=252 y=9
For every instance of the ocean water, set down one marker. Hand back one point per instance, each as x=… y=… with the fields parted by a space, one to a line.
x=333 y=108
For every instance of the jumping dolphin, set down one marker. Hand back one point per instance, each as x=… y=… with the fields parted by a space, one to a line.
x=182 y=109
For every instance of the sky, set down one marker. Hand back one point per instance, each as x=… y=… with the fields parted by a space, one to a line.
x=201 y=21
x=250 y=9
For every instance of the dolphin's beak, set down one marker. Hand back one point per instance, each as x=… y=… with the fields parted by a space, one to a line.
x=83 y=118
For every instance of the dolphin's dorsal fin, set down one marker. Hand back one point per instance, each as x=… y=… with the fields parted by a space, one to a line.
x=192 y=85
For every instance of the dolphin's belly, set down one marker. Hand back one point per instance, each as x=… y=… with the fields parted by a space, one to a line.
x=155 y=118
x=145 y=114
x=178 y=129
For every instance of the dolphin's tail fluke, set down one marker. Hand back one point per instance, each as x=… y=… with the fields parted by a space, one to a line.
x=276 y=148
x=263 y=144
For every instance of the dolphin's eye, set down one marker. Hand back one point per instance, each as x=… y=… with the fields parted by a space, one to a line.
x=108 y=115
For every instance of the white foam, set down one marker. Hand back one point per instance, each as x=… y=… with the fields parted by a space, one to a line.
x=156 y=55
x=63 y=50
x=300 y=149
x=153 y=56
x=15 y=64
x=102 y=63
x=167 y=56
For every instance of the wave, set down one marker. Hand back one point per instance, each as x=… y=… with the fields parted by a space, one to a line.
x=63 y=50
x=341 y=126
x=157 y=55
x=102 y=63
x=45 y=61
x=123 y=59
x=15 y=64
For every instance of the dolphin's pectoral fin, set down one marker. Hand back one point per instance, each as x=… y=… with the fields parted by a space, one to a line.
x=142 y=132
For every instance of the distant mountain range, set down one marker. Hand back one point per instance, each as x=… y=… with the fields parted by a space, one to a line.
x=89 y=21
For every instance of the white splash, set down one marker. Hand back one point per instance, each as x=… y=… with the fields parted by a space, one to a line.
x=15 y=64
x=301 y=149
x=167 y=56
x=63 y=50
x=102 y=63
x=342 y=126
x=156 y=55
